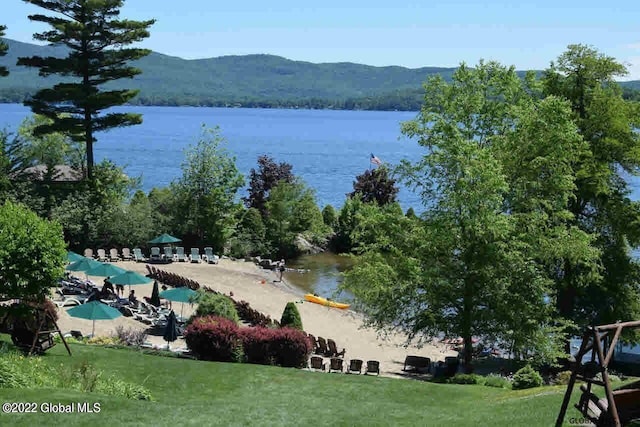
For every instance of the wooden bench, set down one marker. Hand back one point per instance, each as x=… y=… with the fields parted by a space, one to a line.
x=417 y=363
x=596 y=409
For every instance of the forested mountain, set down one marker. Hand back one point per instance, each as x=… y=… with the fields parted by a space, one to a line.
x=249 y=81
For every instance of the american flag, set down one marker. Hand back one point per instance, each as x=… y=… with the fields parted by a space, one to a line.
x=375 y=160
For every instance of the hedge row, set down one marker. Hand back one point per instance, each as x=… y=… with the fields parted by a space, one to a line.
x=219 y=339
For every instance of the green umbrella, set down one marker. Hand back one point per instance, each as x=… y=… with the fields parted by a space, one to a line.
x=183 y=294
x=83 y=265
x=165 y=238
x=73 y=257
x=129 y=278
x=94 y=310
x=105 y=269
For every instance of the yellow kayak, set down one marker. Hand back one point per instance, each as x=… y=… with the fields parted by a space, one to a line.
x=324 y=301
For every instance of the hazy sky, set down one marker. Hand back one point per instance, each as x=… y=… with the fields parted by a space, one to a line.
x=527 y=34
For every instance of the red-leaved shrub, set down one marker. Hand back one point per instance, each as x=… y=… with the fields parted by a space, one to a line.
x=291 y=347
x=214 y=338
x=257 y=344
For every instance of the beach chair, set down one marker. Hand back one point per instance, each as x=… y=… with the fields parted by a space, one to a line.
x=137 y=255
x=180 y=256
x=209 y=257
x=335 y=364
x=355 y=366
x=113 y=255
x=373 y=367
x=322 y=347
x=88 y=253
x=316 y=363
x=126 y=254
x=195 y=255
x=102 y=255
x=451 y=366
x=417 y=363
x=168 y=255
x=314 y=343
x=333 y=349
x=155 y=254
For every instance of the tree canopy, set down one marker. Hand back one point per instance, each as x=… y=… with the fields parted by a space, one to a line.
x=261 y=181
x=375 y=185
x=95 y=37
x=3 y=51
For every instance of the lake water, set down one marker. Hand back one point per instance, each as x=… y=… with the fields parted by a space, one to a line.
x=327 y=149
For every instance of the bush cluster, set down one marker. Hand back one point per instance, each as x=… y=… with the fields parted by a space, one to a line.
x=130 y=336
x=253 y=316
x=497 y=381
x=210 y=304
x=291 y=317
x=466 y=379
x=526 y=377
x=218 y=339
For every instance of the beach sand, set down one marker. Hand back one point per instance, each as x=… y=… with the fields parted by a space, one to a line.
x=255 y=285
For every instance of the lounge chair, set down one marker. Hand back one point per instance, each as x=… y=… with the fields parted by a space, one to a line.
x=314 y=343
x=209 y=257
x=137 y=255
x=451 y=363
x=317 y=362
x=113 y=255
x=373 y=367
x=155 y=254
x=355 y=366
x=102 y=255
x=195 y=255
x=180 y=256
x=333 y=349
x=88 y=253
x=417 y=363
x=168 y=254
x=126 y=254
x=335 y=364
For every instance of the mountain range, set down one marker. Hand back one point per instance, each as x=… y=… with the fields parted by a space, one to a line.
x=248 y=80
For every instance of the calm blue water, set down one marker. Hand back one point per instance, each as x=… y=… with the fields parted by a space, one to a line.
x=328 y=149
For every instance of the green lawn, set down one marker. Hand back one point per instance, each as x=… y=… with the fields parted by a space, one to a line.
x=188 y=392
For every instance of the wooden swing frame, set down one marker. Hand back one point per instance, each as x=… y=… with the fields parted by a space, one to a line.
x=593 y=341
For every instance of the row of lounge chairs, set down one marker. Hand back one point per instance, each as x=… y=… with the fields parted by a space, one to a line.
x=336 y=364
x=114 y=256
x=179 y=255
x=326 y=348
x=171 y=279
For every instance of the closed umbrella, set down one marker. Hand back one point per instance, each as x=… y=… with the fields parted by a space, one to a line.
x=182 y=295
x=83 y=265
x=94 y=310
x=73 y=257
x=165 y=238
x=105 y=269
x=171 y=330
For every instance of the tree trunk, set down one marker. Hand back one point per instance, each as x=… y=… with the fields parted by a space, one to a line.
x=467 y=314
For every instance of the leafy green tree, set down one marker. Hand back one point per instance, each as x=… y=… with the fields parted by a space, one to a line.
x=329 y=216
x=600 y=203
x=95 y=37
x=210 y=304
x=206 y=193
x=250 y=238
x=3 y=51
x=375 y=186
x=291 y=317
x=472 y=261
x=261 y=181
x=32 y=254
x=411 y=213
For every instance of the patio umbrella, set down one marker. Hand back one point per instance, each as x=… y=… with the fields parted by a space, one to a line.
x=73 y=257
x=94 y=310
x=171 y=330
x=155 y=295
x=183 y=294
x=129 y=278
x=105 y=269
x=165 y=238
x=83 y=265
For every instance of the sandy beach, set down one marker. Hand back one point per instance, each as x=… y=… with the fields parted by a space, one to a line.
x=253 y=284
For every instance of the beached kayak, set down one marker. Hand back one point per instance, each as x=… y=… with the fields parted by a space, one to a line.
x=324 y=301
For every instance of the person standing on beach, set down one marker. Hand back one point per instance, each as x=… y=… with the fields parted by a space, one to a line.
x=281 y=268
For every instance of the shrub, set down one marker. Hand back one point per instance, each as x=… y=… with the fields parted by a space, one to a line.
x=526 y=377
x=210 y=304
x=214 y=338
x=257 y=345
x=291 y=347
x=562 y=378
x=130 y=336
x=291 y=317
x=497 y=381
x=466 y=379
x=104 y=341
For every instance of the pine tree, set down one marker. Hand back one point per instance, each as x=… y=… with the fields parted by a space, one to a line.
x=95 y=37
x=3 y=51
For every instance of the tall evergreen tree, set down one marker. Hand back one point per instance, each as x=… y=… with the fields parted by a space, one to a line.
x=95 y=37
x=600 y=204
x=3 y=51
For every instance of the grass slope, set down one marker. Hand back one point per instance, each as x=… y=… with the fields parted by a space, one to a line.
x=198 y=393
